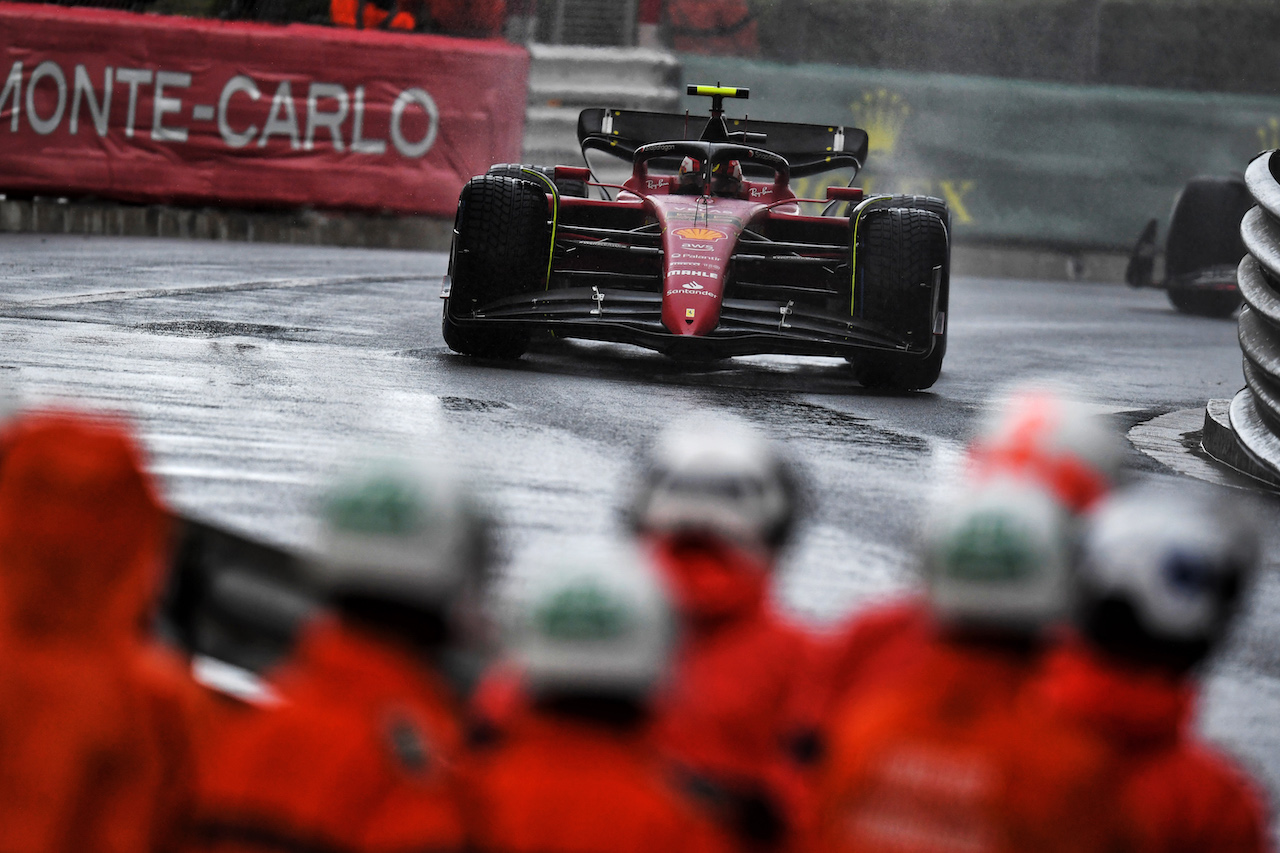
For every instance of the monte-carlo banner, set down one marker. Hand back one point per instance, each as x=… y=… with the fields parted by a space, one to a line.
x=155 y=108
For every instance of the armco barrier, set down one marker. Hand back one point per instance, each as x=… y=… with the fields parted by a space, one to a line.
x=176 y=110
x=1254 y=416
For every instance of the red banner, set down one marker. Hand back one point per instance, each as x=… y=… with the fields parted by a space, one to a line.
x=166 y=109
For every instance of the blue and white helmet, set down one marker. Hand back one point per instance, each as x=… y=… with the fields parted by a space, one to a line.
x=1162 y=575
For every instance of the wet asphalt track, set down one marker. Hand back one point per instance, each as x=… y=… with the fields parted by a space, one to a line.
x=252 y=369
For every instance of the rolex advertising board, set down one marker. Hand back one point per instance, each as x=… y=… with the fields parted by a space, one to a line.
x=1074 y=167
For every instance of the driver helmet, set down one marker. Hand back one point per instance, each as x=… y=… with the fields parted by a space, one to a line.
x=1162 y=575
x=726 y=178
x=690 y=179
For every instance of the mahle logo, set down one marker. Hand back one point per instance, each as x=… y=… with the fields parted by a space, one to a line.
x=584 y=613
x=991 y=546
x=882 y=114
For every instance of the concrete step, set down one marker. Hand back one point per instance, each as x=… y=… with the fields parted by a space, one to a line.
x=564 y=80
x=552 y=65
x=605 y=93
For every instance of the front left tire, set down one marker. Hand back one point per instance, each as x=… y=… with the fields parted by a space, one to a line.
x=501 y=245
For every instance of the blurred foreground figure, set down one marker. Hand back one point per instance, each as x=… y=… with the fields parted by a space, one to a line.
x=575 y=773
x=1160 y=582
x=1035 y=434
x=96 y=718
x=929 y=756
x=1039 y=432
x=363 y=752
x=715 y=507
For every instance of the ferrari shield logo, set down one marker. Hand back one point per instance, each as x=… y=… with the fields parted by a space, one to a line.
x=688 y=313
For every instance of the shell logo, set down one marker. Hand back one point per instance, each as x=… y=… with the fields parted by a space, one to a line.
x=706 y=234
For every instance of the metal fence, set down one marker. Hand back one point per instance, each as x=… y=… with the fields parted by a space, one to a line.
x=586 y=22
x=1255 y=411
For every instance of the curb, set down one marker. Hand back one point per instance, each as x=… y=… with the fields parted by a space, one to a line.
x=1218 y=440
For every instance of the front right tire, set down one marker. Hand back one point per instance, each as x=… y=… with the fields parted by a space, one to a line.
x=902 y=252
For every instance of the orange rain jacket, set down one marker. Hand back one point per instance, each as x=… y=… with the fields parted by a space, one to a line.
x=362 y=754
x=97 y=721
x=723 y=712
x=1177 y=793
x=876 y=644
x=548 y=784
x=933 y=758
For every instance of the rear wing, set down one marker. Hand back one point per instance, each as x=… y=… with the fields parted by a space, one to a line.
x=809 y=148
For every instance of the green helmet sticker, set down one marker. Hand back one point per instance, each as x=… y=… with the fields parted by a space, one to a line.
x=381 y=505
x=584 y=612
x=991 y=546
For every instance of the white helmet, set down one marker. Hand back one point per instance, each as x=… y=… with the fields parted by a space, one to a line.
x=403 y=531
x=594 y=623
x=718 y=476
x=1162 y=575
x=1039 y=431
x=998 y=557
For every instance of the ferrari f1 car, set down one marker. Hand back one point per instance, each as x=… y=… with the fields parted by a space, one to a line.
x=705 y=252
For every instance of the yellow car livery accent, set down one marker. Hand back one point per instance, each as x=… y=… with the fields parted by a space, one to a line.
x=723 y=91
x=853 y=248
x=555 y=216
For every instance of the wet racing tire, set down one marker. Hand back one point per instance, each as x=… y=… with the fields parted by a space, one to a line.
x=564 y=186
x=901 y=252
x=1204 y=233
x=500 y=248
x=920 y=202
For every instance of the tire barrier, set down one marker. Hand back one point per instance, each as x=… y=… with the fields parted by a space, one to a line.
x=1254 y=414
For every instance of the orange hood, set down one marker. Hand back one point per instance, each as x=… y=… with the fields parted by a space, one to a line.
x=82 y=531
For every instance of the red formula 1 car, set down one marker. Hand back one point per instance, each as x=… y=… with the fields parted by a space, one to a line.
x=705 y=252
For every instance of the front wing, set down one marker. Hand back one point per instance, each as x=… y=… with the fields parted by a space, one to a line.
x=746 y=327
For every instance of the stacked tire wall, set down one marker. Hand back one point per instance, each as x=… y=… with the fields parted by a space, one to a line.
x=1255 y=411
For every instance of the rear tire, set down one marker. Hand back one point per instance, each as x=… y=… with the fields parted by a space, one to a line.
x=500 y=249
x=899 y=250
x=1213 y=303
x=1204 y=232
